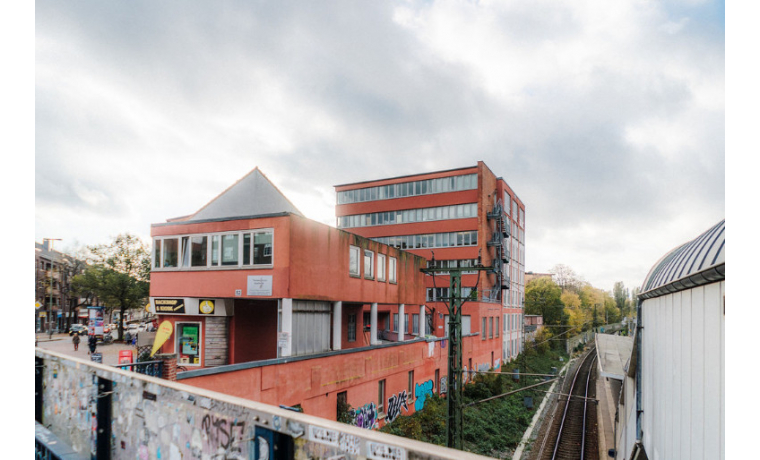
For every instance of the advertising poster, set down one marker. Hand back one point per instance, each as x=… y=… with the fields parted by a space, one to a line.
x=95 y=321
x=188 y=337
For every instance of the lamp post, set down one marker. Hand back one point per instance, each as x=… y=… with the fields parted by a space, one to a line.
x=50 y=298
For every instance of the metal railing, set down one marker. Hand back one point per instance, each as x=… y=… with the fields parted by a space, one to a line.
x=151 y=368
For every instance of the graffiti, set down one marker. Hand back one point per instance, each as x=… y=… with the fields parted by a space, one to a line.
x=366 y=416
x=444 y=385
x=220 y=432
x=421 y=392
x=395 y=403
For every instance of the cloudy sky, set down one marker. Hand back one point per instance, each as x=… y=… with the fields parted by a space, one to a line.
x=606 y=118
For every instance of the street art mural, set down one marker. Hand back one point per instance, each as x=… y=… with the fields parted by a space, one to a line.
x=444 y=385
x=395 y=403
x=421 y=392
x=366 y=416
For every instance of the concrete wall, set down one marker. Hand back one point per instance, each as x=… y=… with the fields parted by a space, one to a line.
x=153 y=418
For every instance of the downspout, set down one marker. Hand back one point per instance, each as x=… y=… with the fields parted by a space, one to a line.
x=639 y=328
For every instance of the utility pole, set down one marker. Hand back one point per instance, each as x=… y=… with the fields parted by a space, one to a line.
x=454 y=421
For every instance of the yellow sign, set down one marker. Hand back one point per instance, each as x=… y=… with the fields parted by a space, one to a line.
x=147 y=307
x=206 y=307
x=37 y=305
x=165 y=330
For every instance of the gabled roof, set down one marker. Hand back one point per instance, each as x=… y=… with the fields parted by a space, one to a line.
x=695 y=263
x=253 y=195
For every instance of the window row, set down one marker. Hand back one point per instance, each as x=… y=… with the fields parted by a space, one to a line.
x=442 y=294
x=488 y=327
x=372 y=270
x=459 y=211
x=252 y=248
x=454 y=263
x=431 y=240
x=421 y=187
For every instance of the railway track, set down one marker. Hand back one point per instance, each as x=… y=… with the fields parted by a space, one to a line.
x=572 y=434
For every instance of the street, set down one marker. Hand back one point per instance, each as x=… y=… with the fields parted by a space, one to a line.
x=61 y=343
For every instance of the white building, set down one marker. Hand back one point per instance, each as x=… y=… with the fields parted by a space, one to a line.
x=672 y=405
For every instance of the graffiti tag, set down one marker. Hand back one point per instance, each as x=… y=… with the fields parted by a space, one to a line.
x=444 y=385
x=220 y=432
x=366 y=416
x=421 y=392
x=395 y=403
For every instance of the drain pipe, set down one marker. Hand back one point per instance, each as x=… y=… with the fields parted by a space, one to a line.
x=639 y=410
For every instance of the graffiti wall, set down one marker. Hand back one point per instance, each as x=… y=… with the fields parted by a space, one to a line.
x=153 y=418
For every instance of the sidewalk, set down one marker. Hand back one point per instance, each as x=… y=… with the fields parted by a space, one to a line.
x=61 y=343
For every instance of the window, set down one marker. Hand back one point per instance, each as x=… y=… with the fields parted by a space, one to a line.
x=410 y=384
x=188 y=344
x=262 y=248
x=496 y=328
x=416 y=324
x=156 y=254
x=171 y=253
x=367 y=321
x=381 y=267
x=392 y=269
x=353 y=262
x=483 y=330
x=395 y=322
x=230 y=249
x=381 y=396
x=437 y=381
x=490 y=327
x=352 y=328
x=369 y=264
x=406 y=323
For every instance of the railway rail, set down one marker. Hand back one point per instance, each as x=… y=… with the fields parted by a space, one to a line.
x=573 y=433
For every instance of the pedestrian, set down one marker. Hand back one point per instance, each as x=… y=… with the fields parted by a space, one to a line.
x=93 y=343
x=75 y=339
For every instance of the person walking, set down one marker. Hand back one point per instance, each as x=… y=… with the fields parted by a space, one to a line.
x=76 y=339
x=93 y=343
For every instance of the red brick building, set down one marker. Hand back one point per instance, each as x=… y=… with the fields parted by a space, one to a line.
x=270 y=306
x=457 y=216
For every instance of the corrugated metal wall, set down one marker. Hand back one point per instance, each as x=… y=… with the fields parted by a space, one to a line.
x=683 y=387
x=311 y=327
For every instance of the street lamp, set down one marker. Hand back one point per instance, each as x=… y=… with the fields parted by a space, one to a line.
x=50 y=298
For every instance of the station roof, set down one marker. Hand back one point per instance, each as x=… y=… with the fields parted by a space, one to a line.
x=697 y=262
x=613 y=352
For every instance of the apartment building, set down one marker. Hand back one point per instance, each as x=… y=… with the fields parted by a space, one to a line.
x=453 y=218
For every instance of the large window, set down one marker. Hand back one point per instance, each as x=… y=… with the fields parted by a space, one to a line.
x=421 y=187
x=188 y=344
x=458 y=211
x=392 y=269
x=381 y=267
x=353 y=261
x=369 y=264
x=229 y=249
x=431 y=240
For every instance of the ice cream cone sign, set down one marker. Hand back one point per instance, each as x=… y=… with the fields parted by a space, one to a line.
x=163 y=333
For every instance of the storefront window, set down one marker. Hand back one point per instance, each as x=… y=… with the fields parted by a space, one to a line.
x=188 y=343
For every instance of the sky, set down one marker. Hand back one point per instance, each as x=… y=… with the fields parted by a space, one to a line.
x=606 y=118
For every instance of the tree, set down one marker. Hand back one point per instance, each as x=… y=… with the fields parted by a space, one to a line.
x=119 y=274
x=543 y=297
x=620 y=294
x=566 y=278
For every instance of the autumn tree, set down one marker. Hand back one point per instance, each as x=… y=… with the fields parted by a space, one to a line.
x=543 y=297
x=565 y=278
x=119 y=274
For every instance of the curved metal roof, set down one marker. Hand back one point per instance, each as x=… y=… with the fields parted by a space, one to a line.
x=700 y=261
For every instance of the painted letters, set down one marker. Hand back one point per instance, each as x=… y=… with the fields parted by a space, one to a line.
x=421 y=392
x=395 y=403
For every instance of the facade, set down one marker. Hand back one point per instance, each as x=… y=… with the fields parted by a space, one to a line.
x=456 y=217
x=268 y=305
x=672 y=404
x=533 y=324
x=56 y=308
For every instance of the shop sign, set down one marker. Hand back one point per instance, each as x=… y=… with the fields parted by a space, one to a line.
x=175 y=306
x=206 y=307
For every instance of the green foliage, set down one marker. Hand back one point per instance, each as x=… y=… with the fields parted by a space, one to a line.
x=543 y=297
x=492 y=428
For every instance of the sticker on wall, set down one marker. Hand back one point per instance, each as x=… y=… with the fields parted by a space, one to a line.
x=206 y=307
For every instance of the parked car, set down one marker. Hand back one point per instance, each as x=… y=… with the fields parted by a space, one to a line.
x=79 y=329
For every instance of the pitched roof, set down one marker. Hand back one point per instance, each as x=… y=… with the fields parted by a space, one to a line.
x=252 y=195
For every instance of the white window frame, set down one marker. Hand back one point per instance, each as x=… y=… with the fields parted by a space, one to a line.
x=392 y=264
x=369 y=264
x=380 y=267
x=356 y=272
x=158 y=265
x=200 y=343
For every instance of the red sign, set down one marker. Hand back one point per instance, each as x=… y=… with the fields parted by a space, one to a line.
x=125 y=356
